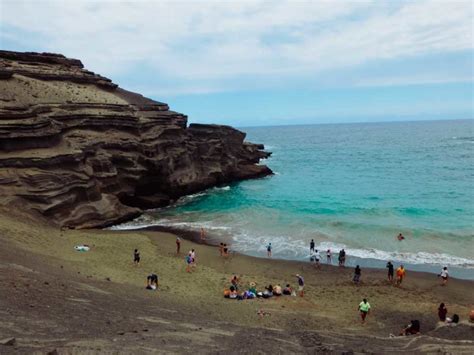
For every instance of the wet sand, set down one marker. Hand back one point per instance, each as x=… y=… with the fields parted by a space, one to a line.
x=53 y=297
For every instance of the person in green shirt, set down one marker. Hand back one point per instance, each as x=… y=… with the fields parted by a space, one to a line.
x=364 y=309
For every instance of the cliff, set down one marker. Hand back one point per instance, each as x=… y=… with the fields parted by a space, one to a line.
x=83 y=152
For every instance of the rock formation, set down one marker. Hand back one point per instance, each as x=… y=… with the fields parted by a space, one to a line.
x=85 y=153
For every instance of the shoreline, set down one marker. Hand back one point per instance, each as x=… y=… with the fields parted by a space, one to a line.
x=351 y=261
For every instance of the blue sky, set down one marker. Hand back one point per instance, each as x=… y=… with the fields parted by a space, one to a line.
x=266 y=62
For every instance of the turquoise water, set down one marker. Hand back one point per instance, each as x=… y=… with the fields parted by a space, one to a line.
x=348 y=185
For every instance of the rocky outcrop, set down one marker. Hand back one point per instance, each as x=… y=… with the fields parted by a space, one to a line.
x=85 y=153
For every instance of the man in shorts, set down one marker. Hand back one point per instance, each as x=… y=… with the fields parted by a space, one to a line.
x=300 y=284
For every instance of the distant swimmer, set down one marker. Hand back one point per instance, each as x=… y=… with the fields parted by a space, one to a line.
x=400 y=237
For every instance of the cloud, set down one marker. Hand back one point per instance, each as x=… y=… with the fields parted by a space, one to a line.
x=216 y=43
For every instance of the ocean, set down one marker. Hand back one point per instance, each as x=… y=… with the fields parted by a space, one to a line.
x=353 y=186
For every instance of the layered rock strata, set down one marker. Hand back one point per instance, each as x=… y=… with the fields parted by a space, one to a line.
x=85 y=153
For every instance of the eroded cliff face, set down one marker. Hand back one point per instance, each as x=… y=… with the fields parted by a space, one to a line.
x=85 y=153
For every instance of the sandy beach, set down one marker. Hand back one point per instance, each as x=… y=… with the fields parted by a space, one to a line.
x=53 y=297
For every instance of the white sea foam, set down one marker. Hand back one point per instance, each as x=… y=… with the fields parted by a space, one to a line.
x=286 y=248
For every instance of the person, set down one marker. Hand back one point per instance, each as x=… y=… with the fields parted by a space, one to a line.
x=328 y=256
x=152 y=282
x=390 y=271
x=253 y=288
x=233 y=292
x=178 y=245
x=300 y=284
x=400 y=237
x=221 y=249
x=311 y=245
x=287 y=290
x=235 y=282
x=203 y=234
x=471 y=316
x=136 y=257
x=269 y=250
x=400 y=274
x=357 y=274
x=317 y=259
x=453 y=321
x=189 y=262
x=268 y=292
x=342 y=257
x=412 y=328
x=277 y=291
x=225 y=250
x=442 y=312
x=364 y=309
x=444 y=276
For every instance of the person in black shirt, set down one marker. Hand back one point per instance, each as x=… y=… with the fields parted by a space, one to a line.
x=390 y=271
x=136 y=257
x=357 y=273
x=311 y=245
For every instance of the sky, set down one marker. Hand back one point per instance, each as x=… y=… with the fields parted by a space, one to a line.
x=254 y=63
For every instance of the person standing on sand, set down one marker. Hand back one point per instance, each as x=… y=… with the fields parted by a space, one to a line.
x=178 y=245
x=390 y=271
x=300 y=284
x=311 y=245
x=342 y=258
x=357 y=274
x=225 y=250
x=442 y=312
x=203 y=234
x=269 y=250
x=444 y=276
x=189 y=262
x=221 y=249
x=400 y=274
x=328 y=256
x=317 y=258
x=136 y=257
x=364 y=309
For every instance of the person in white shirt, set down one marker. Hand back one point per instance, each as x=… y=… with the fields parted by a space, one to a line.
x=444 y=276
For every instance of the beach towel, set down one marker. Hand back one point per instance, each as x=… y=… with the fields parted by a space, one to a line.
x=81 y=248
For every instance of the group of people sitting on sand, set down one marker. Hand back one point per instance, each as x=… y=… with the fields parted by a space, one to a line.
x=250 y=292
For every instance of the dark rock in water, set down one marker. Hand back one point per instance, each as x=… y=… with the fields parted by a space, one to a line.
x=84 y=153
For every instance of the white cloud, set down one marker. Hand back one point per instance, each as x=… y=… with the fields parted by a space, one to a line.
x=225 y=40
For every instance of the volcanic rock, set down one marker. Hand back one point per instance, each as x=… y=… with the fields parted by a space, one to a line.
x=83 y=152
